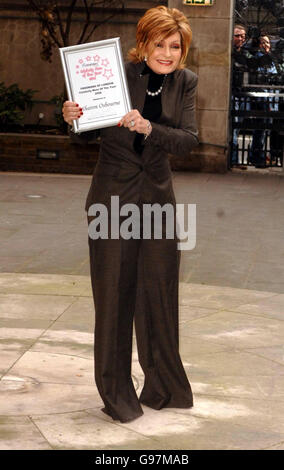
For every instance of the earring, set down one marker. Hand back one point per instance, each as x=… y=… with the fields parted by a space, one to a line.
x=145 y=58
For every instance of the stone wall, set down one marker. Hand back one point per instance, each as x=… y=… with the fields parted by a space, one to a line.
x=210 y=58
x=19 y=152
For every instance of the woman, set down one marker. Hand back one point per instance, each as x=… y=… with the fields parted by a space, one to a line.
x=141 y=275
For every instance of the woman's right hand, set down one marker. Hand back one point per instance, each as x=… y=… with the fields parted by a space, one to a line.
x=71 y=111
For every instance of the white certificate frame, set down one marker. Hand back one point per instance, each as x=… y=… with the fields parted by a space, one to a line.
x=104 y=96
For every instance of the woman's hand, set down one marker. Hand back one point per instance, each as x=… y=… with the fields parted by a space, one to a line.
x=135 y=122
x=71 y=111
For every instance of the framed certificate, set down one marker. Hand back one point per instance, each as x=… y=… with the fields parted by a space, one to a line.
x=95 y=79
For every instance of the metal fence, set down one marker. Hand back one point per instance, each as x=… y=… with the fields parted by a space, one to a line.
x=257 y=112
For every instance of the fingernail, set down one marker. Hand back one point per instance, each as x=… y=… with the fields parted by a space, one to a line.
x=82 y=113
x=81 y=109
x=77 y=105
x=119 y=124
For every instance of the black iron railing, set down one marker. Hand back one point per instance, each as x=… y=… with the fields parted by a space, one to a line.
x=257 y=112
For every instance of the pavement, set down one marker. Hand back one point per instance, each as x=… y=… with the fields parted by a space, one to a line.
x=231 y=319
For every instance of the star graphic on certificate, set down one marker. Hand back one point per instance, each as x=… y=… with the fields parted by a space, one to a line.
x=108 y=73
x=105 y=62
x=96 y=58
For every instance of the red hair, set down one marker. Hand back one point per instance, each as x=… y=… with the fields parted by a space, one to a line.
x=157 y=24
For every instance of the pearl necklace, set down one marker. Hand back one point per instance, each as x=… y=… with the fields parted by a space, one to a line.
x=155 y=93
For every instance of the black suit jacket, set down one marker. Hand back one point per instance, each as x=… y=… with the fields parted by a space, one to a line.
x=147 y=177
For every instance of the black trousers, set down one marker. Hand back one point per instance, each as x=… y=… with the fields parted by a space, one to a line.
x=137 y=278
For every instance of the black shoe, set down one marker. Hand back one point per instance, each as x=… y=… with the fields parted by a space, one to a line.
x=122 y=420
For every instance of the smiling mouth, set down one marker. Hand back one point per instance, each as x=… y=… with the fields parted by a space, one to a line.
x=165 y=62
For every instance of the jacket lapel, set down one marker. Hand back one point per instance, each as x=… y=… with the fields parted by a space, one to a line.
x=168 y=98
x=139 y=84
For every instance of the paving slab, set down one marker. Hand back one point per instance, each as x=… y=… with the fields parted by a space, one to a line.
x=237 y=329
x=12 y=430
x=279 y=446
x=23 y=395
x=9 y=358
x=39 y=307
x=272 y=307
x=45 y=284
x=85 y=430
x=274 y=353
x=238 y=363
x=61 y=339
x=80 y=312
x=55 y=368
x=216 y=298
x=260 y=387
x=189 y=312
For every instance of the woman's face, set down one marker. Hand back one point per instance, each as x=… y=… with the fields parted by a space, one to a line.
x=166 y=54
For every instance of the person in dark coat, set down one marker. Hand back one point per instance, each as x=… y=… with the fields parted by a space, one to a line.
x=138 y=276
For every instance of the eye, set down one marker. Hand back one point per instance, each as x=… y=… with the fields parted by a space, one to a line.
x=176 y=46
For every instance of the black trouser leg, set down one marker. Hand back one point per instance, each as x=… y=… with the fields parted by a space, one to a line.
x=156 y=323
x=114 y=277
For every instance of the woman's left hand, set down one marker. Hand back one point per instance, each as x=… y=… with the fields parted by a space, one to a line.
x=135 y=122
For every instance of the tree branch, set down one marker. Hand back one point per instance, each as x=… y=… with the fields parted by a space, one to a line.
x=68 y=20
x=99 y=24
x=105 y=20
x=56 y=28
x=88 y=16
x=62 y=32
